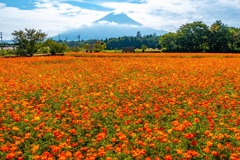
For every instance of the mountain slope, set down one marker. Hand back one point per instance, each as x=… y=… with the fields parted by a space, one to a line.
x=110 y=26
x=108 y=31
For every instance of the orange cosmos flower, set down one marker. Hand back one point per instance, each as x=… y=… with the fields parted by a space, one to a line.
x=109 y=147
x=194 y=142
x=68 y=154
x=168 y=157
x=193 y=153
x=189 y=135
x=37 y=118
x=234 y=156
x=157 y=158
x=215 y=153
x=100 y=136
x=4 y=148
x=179 y=151
x=196 y=120
x=101 y=152
x=78 y=155
x=209 y=143
x=35 y=148
x=10 y=155
x=55 y=149
x=118 y=149
x=15 y=128
x=148 y=158
x=206 y=150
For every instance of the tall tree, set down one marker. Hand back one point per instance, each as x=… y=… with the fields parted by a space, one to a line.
x=168 y=42
x=28 y=41
x=139 y=34
x=193 y=36
x=55 y=47
x=234 y=39
x=237 y=40
x=218 y=39
x=99 y=46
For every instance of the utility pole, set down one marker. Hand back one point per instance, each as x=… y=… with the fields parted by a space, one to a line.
x=79 y=38
x=1 y=33
x=59 y=38
x=1 y=40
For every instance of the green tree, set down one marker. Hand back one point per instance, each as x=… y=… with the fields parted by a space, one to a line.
x=139 y=35
x=86 y=47
x=56 y=47
x=143 y=47
x=192 y=37
x=234 y=39
x=168 y=42
x=43 y=50
x=28 y=41
x=237 y=40
x=218 y=39
x=151 y=41
x=99 y=46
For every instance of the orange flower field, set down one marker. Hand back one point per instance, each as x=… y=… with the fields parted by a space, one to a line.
x=126 y=107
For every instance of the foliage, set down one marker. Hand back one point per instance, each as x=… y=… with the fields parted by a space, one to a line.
x=95 y=46
x=143 y=47
x=86 y=47
x=198 y=37
x=123 y=107
x=234 y=39
x=218 y=39
x=168 y=42
x=55 y=47
x=192 y=37
x=75 y=49
x=5 y=52
x=28 y=41
x=118 y=43
x=99 y=46
x=43 y=49
x=151 y=41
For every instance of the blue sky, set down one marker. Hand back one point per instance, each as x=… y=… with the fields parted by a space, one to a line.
x=56 y=16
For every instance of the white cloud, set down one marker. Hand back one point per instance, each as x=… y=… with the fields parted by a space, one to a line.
x=51 y=17
x=56 y=16
x=172 y=6
x=2 y=5
x=232 y=3
x=170 y=14
x=167 y=14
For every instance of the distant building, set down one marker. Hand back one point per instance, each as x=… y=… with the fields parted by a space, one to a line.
x=8 y=46
x=128 y=49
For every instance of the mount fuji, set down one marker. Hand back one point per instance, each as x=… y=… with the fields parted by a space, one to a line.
x=111 y=26
x=119 y=19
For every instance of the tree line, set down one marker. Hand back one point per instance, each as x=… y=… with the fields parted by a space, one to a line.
x=30 y=41
x=138 y=41
x=198 y=37
x=190 y=37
